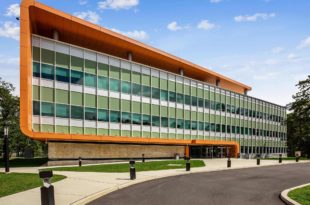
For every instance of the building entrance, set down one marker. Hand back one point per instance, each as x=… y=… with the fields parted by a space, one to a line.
x=209 y=151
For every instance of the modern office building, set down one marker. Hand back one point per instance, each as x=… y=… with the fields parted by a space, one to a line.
x=90 y=92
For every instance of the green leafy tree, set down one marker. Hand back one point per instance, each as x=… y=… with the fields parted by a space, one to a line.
x=9 y=115
x=298 y=121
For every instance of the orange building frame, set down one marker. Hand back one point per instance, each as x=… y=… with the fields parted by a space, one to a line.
x=37 y=18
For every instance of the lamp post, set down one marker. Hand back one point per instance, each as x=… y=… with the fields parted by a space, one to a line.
x=6 y=149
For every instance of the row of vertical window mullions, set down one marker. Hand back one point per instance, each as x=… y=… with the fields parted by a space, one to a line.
x=77 y=112
x=77 y=77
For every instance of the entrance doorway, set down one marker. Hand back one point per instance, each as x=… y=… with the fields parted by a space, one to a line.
x=209 y=151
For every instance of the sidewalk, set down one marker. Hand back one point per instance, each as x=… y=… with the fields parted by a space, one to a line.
x=81 y=187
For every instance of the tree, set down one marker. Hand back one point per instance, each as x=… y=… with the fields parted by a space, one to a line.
x=298 y=122
x=9 y=115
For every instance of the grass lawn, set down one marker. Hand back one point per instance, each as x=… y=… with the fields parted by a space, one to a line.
x=147 y=166
x=287 y=158
x=21 y=162
x=301 y=195
x=16 y=182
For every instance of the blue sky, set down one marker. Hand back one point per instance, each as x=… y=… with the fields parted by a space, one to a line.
x=262 y=43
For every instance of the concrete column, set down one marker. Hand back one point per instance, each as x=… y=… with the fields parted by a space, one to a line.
x=55 y=35
x=129 y=56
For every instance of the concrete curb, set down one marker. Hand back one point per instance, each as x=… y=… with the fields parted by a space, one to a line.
x=99 y=194
x=284 y=195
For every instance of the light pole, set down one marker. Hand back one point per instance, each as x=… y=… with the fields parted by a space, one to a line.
x=6 y=149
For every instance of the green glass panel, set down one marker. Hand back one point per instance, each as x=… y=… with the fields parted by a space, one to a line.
x=163 y=84
x=171 y=86
x=90 y=80
x=187 y=90
x=90 y=66
x=146 y=108
x=136 y=134
x=76 y=98
x=115 y=132
x=164 y=135
x=155 y=109
x=194 y=115
x=126 y=74
x=103 y=83
x=90 y=131
x=155 y=82
x=62 y=96
x=47 y=94
x=90 y=100
x=136 y=77
x=136 y=107
x=77 y=63
x=47 y=128
x=114 y=72
x=76 y=130
x=36 y=54
x=193 y=91
x=172 y=112
x=77 y=112
x=103 y=115
x=36 y=69
x=114 y=85
x=179 y=113
x=103 y=69
x=164 y=111
x=200 y=93
x=36 y=127
x=187 y=115
x=62 y=129
x=146 y=79
x=155 y=135
x=103 y=131
x=62 y=75
x=47 y=71
x=47 y=109
x=103 y=102
x=114 y=104
x=126 y=87
x=126 y=133
x=62 y=60
x=35 y=92
x=47 y=56
x=179 y=88
x=146 y=134
x=77 y=77
x=125 y=105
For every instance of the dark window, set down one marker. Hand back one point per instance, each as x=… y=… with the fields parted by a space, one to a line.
x=155 y=121
x=228 y=129
x=164 y=122
x=62 y=110
x=180 y=123
x=172 y=96
x=126 y=87
x=36 y=108
x=207 y=104
x=218 y=128
x=47 y=71
x=187 y=124
x=36 y=69
x=136 y=119
x=90 y=80
x=163 y=95
x=146 y=120
x=194 y=101
x=201 y=127
x=136 y=89
x=223 y=128
x=76 y=77
x=172 y=123
x=126 y=117
x=180 y=98
x=115 y=116
x=103 y=115
x=212 y=127
x=207 y=126
x=62 y=75
x=155 y=93
x=77 y=112
x=146 y=91
x=47 y=109
x=187 y=100
x=200 y=102
x=103 y=83
x=90 y=113
x=114 y=85
x=194 y=125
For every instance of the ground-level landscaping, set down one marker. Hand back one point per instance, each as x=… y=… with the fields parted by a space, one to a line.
x=140 y=166
x=301 y=195
x=12 y=183
x=22 y=162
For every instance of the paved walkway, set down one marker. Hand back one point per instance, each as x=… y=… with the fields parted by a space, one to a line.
x=79 y=186
x=253 y=186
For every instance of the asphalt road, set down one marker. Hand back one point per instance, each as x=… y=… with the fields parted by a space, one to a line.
x=234 y=187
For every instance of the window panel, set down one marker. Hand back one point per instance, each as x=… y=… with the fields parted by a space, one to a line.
x=146 y=91
x=201 y=127
x=62 y=75
x=77 y=112
x=146 y=120
x=187 y=100
x=194 y=101
x=47 y=109
x=62 y=110
x=126 y=117
x=36 y=108
x=103 y=83
x=163 y=95
x=155 y=93
x=114 y=85
x=47 y=71
x=136 y=89
x=136 y=119
x=187 y=124
x=126 y=87
x=103 y=115
x=115 y=116
x=180 y=98
x=172 y=123
x=77 y=77
x=194 y=125
x=90 y=113
x=172 y=96
x=155 y=121
x=90 y=80
x=180 y=123
x=164 y=122
x=36 y=69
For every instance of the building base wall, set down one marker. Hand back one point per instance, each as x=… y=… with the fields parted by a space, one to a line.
x=66 y=153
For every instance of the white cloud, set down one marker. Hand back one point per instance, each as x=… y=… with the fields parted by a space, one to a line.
x=206 y=25
x=13 y=10
x=10 y=30
x=88 y=16
x=117 y=4
x=305 y=43
x=215 y=1
x=82 y=2
x=254 y=17
x=173 y=26
x=138 y=35
x=277 y=50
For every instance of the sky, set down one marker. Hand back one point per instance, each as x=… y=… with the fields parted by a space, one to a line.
x=262 y=43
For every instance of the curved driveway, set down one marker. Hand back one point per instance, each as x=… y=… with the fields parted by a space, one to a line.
x=234 y=187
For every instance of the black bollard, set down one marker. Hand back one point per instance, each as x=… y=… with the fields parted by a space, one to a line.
x=228 y=162
x=188 y=164
x=143 y=158
x=258 y=160
x=297 y=158
x=47 y=190
x=80 y=161
x=280 y=158
x=132 y=170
